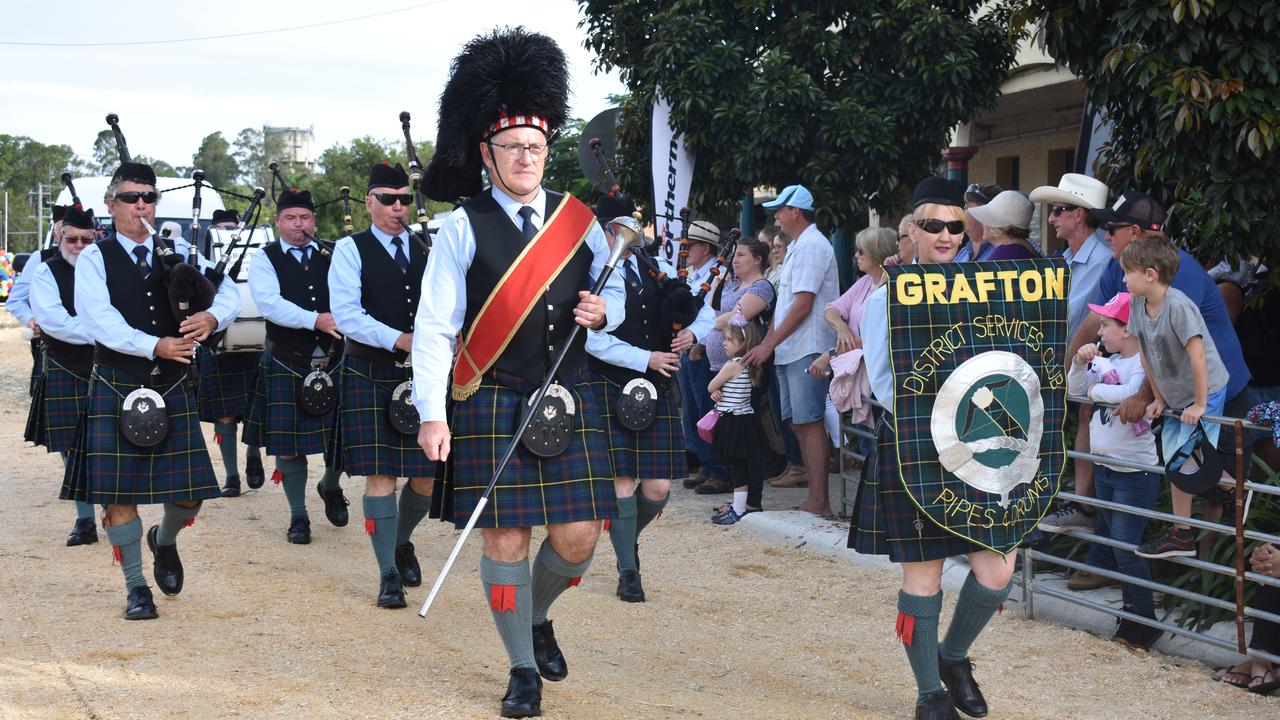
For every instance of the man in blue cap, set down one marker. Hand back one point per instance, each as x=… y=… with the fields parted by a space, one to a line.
x=798 y=335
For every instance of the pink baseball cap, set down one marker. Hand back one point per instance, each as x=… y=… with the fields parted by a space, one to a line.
x=1117 y=308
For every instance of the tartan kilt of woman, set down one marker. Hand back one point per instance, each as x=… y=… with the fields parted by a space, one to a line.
x=56 y=407
x=105 y=468
x=226 y=381
x=573 y=486
x=276 y=421
x=886 y=521
x=656 y=453
x=365 y=443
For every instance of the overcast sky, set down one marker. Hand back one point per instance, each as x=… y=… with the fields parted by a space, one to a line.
x=347 y=79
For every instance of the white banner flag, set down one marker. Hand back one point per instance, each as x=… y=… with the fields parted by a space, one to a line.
x=672 y=174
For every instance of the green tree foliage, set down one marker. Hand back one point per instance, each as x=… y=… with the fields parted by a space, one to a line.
x=253 y=151
x=562 y=172
x=1192 y=90
x=855 y=100
x=24 y=163
x=214 y=158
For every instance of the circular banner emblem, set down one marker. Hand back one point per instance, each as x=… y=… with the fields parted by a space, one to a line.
x=987 y=423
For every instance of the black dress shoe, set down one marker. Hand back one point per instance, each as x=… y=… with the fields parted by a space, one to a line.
x=936 y=706
x=958 y=677
x=524 y=694
x=629 y=587
x=85 y=532
x=407 y=564
x=335 y=506
x=391 y=592
x=232 y=487
x=140 y=605
x=168 y=566
x=299 y=531
x=546 y=652
x=254 y=475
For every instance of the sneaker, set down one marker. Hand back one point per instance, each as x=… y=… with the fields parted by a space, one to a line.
x=1175 y=543
x=1085 y=580
x=1070 y=517
x=728 y=517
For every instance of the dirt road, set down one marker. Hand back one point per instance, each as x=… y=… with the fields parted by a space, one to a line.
x=734 y=627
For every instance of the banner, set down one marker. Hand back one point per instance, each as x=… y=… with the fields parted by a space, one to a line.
x=672 y=174
x=978 y=352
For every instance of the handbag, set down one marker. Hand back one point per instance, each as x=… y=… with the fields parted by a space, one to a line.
x=707 y=425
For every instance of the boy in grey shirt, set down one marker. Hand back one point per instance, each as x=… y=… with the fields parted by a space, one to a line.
x=1183 y=366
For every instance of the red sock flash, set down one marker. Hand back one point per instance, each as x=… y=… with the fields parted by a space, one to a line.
x=906 y=628
x=502 y=598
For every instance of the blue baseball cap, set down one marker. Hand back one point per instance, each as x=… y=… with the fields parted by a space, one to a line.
x=796 y=196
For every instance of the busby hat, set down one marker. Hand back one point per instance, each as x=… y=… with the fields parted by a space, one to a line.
x=221 y=216
x=59 y=212
x=294 y=198
x=505 y=79
x=135 y=172
x=78 y=218
x=386 y=175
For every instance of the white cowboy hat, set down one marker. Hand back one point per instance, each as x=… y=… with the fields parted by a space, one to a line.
x=1073 y=189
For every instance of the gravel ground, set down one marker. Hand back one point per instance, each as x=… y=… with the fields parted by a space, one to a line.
x=734 y=626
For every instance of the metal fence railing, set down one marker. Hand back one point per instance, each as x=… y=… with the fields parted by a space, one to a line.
x=1030 y=587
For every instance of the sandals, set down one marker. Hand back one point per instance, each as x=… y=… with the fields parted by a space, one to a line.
x=1227 y=675
x=1264 y=688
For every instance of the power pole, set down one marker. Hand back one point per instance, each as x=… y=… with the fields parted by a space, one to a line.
x=6 y=222
x=39 y=217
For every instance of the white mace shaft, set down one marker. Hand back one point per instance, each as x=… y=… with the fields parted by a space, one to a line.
x=457 y=548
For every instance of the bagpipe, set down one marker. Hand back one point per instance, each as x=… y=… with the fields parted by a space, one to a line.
x=421 y=236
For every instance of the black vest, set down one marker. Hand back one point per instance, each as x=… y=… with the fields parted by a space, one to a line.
x=64 y=273
x=536 y=342
x=640 y=328
x=387 y=294
x=75 y=357
x=49 y=253
x=143 y=303
x=309 y=290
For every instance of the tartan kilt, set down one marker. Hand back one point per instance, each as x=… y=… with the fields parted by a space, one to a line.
x=575 y=485
x=104 y=468
x=886 y=521
x=226 y=381
x=368 y=444
x=275 y=421
x=653 y=454
x=56 y=407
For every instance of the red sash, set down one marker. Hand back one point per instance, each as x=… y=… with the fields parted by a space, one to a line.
x=506 y=308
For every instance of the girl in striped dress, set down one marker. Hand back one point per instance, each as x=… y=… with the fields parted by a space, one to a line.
x=739 y=440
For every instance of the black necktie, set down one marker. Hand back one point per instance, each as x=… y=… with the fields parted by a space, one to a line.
x=527 y=227
x=633 y=279
x=304 y=256
x=143 y=266
x=400 y=257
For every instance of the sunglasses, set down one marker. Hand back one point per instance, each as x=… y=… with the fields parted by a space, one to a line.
x=390 y=199
x=933 y=226
x=132 y=197
x=1057 y=210
x=1116 y=227
x=77 y=240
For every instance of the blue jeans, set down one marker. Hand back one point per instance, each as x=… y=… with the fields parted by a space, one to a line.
x=694 y=376
x=1136 y=489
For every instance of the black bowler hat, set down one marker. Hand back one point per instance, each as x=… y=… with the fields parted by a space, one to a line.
x=294 y=198
x=77 y=218
x=938 y=191
x=386 y=175
x=221 y=216
x=59 y=212
x=608 y=208
x=135 y=172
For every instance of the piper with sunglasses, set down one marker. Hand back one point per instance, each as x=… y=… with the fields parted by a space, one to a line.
x=511 y=270
x=68 y=355
x=375 y=277
x=140 y=442
x=886 y=522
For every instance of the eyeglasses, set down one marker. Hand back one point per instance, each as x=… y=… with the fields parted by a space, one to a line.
x=131 y=197
x=77 y=240
x=976 y=189
x=1116 y=227
x=390 y=199
x=515 y=152
x=1057 y=210
x=933 y=226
